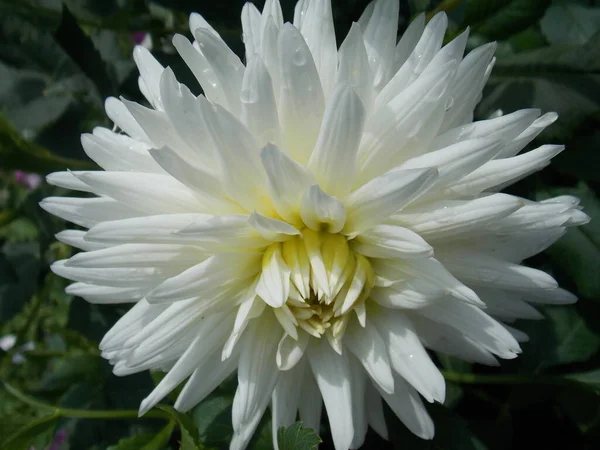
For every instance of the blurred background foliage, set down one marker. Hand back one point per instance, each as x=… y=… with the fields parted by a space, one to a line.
x=59 y=60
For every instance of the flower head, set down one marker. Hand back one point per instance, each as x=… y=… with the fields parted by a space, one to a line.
x=316 y=220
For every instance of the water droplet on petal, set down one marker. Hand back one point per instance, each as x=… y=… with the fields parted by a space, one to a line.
x=299 y=57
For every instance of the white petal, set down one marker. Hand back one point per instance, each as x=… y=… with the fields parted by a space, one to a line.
x=318 y=31
x=358 y=384
x=425 y=270
x=75 y=238
x=318 y=209
x=250 y=308
x=375 y=411
x=285 y=400
x=242 y=173
x=444 y=219
x=205 y=379
x=106 y=294
x=408 y=357
x=290 y=351
x=68 y=180
x=504 y=128
x=270 y=54
x=421 y=54
x=353 y=65
x=319 y=280
x=144 y=192
x=287 y=182
x=407 y=405
x=311 y=402
x=139 y=255
x=274 y=284
x=445 y=339
x=480 y=269
x=116 y=277
x=411 y=294
x=259 y=110
x=393 y=125
x=332 y=372
x=408 y=41
x=466 y=91
x=148 y=229
x=118 y=113
x=296 y=257
x=383 y=196
x=272 y=229
x=389 y=241
x=380 y=40
x=198 y=64
x=300 y=12
x=457 y=160
x=272 y=8
x=227 y=67
x=156 y=125
x=257 y=376
x=251 y=30
x=185 y=113
x=301 y=96
x=507 y=305
x=222 y=232
x=150 y=72
x=475 y=324
x=502 y=172
x=207 y=277
x=206 y=185
x=333 y=161
x=514 y=147
x=113 y=151
x=556 y=296
x=368 y=346
x=287 y=320
x=197 y=355
x=87 y=212
x=197 y=21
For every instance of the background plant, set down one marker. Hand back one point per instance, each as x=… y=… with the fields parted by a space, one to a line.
x=59 y=60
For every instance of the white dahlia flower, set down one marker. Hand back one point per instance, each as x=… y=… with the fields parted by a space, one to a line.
x=317 y=220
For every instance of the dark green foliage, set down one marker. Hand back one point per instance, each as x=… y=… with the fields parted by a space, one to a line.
x=59 y=60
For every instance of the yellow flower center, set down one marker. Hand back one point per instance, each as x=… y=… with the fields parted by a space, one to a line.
x=327 y=280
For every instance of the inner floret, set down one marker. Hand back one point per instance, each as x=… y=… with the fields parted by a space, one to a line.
x=322 y=279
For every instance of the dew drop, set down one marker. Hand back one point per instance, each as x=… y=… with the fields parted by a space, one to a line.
x=249 y=96
x=299 y=57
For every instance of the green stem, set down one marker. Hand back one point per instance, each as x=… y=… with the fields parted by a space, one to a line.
x=83 y=413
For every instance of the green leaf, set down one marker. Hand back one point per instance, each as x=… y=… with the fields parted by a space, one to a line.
x=591 y=378
x=189 y=433
x=563 y=338
x=499 y=19
x=570 y=23
x=582 y=407
x=578 y=252
x=560 y=78
x=295 y=437
x=67 y=371
x=82 y=51
x=452 y=432
x=146 y=441
x=19 y=268
x=22 y=439
x=213 y=420
x=418 y=6
x=17 y=153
